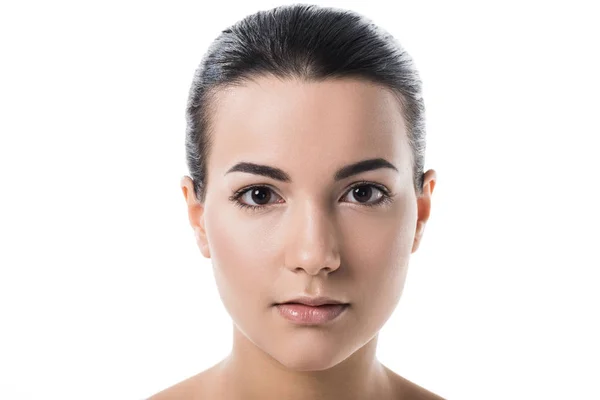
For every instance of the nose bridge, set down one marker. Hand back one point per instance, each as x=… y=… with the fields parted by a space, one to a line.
x=312 y=240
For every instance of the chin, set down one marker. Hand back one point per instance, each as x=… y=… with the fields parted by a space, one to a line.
x=309 y=355
x=308 y=362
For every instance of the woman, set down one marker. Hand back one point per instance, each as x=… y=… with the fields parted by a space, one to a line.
x=305 y=146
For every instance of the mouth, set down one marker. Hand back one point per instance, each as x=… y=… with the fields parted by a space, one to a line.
x=314 y=301
x=311 y=311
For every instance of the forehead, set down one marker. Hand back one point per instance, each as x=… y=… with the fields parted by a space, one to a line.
x=315 y=126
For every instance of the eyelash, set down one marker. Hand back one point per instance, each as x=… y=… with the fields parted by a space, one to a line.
x=386 y=198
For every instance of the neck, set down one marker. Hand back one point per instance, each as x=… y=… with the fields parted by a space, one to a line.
x=250 y=373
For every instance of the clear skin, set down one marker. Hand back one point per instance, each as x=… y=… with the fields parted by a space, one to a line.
x=313 y=236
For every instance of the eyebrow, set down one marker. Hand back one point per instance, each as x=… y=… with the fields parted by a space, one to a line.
x=343 y=173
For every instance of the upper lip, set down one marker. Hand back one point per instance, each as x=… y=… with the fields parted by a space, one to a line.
x=314 y=301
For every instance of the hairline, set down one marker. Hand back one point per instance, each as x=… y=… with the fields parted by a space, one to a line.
x=213 y=98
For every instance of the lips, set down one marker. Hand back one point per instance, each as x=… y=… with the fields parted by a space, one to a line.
x=313 y=301
x=311 y=311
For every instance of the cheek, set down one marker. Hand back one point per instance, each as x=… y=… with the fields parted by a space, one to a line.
x=241 y=261
x=379 y=254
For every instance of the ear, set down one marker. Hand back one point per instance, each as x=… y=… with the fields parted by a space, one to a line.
x=195 y=215
x=424 y=207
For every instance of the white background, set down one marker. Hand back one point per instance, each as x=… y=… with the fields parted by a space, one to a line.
x=104 y=294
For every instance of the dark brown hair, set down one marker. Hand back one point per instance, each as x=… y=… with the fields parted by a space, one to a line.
x=307 y=42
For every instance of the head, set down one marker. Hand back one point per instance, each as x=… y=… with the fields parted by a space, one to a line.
x=305 y=145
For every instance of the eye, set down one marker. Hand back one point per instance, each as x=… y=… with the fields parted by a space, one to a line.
x=255 y=197
x=368 y=194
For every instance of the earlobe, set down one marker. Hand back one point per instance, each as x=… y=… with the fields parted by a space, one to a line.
x=195 y=215
x=202 y=242
x=418 y=235
x=424 y=207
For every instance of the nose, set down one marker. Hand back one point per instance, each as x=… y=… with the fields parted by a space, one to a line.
x=312 y=242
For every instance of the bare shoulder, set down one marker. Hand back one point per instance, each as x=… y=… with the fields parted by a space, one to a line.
x=199 y=386
x=407 y=390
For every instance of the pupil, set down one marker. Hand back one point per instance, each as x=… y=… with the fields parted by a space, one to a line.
x=362 y=191
x=260 y=196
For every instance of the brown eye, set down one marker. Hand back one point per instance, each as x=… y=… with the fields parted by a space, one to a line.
x=362 y=193
x=260 y=195
x=365 y=194
x=257 y=196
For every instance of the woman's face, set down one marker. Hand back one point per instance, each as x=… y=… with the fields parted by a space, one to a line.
x=313 y=232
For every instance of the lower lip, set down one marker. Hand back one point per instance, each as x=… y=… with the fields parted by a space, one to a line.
x=310 y=315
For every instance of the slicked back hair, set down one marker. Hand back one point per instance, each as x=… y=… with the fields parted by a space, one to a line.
x=310 y=43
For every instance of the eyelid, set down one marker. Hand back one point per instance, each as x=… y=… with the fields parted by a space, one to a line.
x=377 y=186
x=240 y=192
